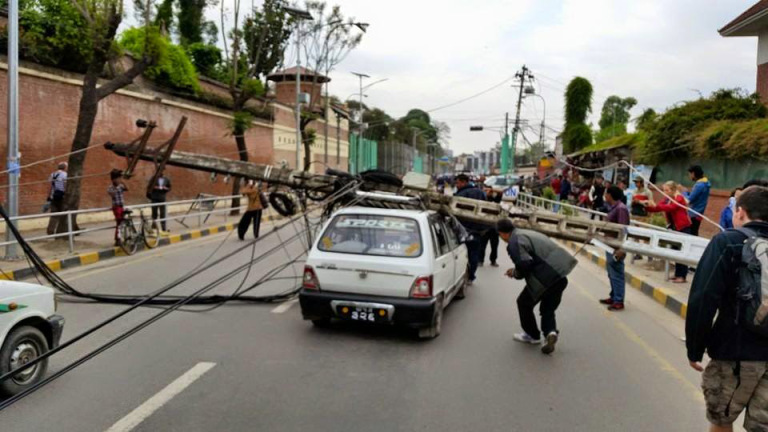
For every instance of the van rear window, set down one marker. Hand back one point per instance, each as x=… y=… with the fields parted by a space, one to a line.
x=372 y=235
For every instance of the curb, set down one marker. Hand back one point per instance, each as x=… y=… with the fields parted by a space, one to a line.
x=88 y=258
x=659 y=295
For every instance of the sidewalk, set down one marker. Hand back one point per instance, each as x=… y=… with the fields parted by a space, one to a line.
x=92 y=247
x=642 y=276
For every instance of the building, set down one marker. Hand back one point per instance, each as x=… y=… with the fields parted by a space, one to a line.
x=754 y=23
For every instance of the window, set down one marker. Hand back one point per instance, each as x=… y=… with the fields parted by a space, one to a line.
x=372 y=235
x=453 y=239
x=440 y=237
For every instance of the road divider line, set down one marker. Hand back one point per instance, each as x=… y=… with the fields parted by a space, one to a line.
x=135 y=417
x=285 y=306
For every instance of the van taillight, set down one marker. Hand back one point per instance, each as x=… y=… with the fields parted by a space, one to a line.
x=422 y=287
x=309 y=281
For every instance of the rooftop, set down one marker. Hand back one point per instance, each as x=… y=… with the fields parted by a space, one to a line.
x=750 y=23
x=290 y=75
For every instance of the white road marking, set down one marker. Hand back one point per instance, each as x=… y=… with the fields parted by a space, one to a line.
x=135 y=417
x=285 y=306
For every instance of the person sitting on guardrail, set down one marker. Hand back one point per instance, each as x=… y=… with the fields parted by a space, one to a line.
x=722 y=319
x=117 y=192
x=545 y=266
x=677 y=220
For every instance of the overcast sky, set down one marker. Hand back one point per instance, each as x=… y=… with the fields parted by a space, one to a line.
x=435 y=52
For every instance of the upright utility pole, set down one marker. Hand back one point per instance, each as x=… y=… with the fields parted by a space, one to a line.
x=505 y=147
x=523 y=75
x=298 y=95
x=13 y=120
x=359 y=141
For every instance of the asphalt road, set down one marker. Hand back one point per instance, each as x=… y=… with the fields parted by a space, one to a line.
x=260 y=367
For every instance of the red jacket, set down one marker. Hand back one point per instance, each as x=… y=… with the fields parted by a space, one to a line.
x=676 y=216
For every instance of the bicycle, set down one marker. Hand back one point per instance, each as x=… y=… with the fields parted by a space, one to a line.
x=129 y=238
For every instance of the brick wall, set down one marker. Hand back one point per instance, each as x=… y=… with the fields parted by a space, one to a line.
x=48 y=108
x=762 y=81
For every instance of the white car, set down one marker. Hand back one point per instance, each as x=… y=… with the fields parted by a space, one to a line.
x=385 y=266
x=501 y=183
x=29 y=328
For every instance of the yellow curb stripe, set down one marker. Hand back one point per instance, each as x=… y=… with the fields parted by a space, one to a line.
x=195 y=234
x=684 y=310
x=89 y=258
x=636 y=282
x=174 y=238
x=119 y=252
x=54 y=265
x=660 y=296
x=6 y=275
x=213 y=230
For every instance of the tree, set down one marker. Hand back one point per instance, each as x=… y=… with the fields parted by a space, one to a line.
x=614 y=117
x=251 y=53
x=101 y=18
x=646 y=120
x=578 y=105
x=327 y=42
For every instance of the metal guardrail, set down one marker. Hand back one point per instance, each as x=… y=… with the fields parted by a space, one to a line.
x=70 y=234
x=536 y=201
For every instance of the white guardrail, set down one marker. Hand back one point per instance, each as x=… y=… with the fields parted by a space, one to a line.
x=212 y=202
x=641 y=238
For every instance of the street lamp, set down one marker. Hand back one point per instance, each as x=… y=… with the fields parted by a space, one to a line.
x=300 y=16
x=360 y=124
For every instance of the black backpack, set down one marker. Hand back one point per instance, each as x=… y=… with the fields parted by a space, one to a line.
x=752 y=292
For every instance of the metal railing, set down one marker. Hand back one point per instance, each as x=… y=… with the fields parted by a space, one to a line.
x=70 y=233
x=549 y=205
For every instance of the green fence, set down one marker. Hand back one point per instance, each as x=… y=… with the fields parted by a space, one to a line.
x=723 y=174
x=362 y=154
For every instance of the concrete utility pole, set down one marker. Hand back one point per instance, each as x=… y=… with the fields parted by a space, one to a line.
x=523 y=75
x=13 y=120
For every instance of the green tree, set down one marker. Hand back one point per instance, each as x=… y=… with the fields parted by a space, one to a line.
x=172 y=67
x=646 y=120
x=251 y=53
x=101 y=20
x=578 y=105
x=615 y=117
x=206 y=58
x=327 y=42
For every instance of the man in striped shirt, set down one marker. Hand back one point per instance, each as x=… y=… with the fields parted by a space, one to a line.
x=58 y=182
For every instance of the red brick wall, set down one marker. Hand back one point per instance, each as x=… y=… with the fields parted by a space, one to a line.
x=48 y=116
x=762 y=81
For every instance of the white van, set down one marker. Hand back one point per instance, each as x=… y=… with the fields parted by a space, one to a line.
x=385 y=266
x=29 y=328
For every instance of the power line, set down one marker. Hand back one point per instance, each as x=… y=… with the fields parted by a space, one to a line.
x=488 y=90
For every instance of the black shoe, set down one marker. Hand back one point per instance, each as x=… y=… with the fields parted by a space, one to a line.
x=549 y=347
x=493 y=264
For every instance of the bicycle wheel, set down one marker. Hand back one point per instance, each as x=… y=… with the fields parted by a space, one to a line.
x=150 y=234
x=128 y=238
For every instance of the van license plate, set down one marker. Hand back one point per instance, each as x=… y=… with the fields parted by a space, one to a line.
x=362 y=313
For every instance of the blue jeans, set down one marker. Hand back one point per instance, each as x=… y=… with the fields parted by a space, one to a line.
x=474 y=250
x=616 y=276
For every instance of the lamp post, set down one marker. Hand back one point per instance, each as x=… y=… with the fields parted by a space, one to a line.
x=361 y=76
x=334 y=25
x=300 y=15
x=13 y=120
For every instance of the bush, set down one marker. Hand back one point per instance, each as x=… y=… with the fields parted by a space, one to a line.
x=173 y=68
x=206 y=58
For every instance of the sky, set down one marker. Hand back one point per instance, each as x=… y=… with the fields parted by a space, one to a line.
x=435 y=52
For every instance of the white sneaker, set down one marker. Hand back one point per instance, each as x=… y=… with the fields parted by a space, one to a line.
x=525 y=338
x=549 y=347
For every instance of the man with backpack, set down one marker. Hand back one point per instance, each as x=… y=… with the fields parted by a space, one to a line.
x=58 y=180
x=732 y=285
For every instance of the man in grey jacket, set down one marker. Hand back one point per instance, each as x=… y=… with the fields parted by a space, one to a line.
x=545 y=266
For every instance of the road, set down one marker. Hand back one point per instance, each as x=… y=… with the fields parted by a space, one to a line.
x=260 y=367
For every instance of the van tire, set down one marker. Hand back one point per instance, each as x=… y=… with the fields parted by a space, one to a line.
x=33 y=343
x=433 y=330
